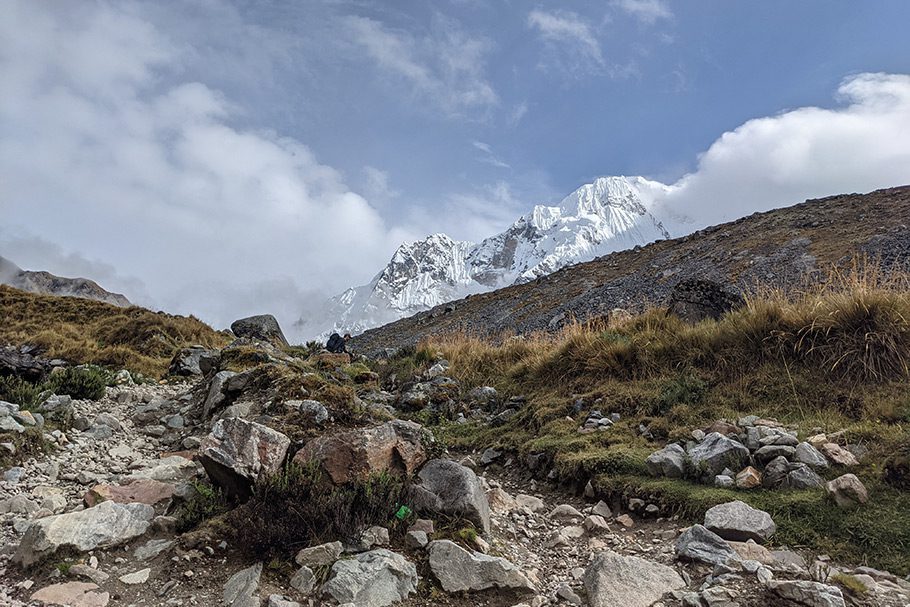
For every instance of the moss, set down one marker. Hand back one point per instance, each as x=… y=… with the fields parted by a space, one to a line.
x=850 y=584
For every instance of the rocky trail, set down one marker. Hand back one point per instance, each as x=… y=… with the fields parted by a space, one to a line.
x=93 y=523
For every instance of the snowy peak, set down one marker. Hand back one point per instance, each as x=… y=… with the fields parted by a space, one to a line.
x=607 y=215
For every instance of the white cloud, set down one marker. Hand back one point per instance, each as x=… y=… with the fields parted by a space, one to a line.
x=377 y=186
x=802 y=153
x=488 y=157
x=517 y=114
x=646 y=11
x=107 y=147
x=445 y=66
x=569 y=34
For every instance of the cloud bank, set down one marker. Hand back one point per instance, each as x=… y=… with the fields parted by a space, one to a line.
x=105 y=147
x=803 y=153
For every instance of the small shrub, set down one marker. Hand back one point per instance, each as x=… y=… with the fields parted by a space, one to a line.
x=850 y=583
x=687 y=389
x=299 y=507
x=19 y=391
x=897 y=468
x=206 y=502
x=80 y=382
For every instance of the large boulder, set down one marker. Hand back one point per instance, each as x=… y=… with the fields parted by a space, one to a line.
x=396 y=446
x=372 y=579
x=459 y=570
x=704 y=546
x=809 y=594
x=263 y=326
x=695 y=300
x=716 y=452
x=195 y=360
x=809 y=455
x=107 y=524
x=238 y=452
x=614 y=579
x=448 y=488
x=740 y=522
x=669 y=461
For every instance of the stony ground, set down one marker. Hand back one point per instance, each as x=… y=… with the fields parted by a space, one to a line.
x=147 y=434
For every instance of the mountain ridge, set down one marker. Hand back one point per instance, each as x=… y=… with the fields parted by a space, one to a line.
x=611 y=213
x=783 y=247
x=45 y=283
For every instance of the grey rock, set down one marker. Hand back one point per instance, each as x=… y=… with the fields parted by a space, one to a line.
x=240 y=589
x=809 y=455
x=310 y=408
x=372 y=579
x=99 y=432
x=717 y=452
x=152 y=548
x=847 y=491
x=108 y=420
x=770 y=452
x=613 y=579
x=8 y=424
x=238 y=452
x=489 y=456
x=723 y=481
x=739 y=522
x=107 y=524
x=304 y=580
x=459 y=570
x=263 y=326
x=702 y=545
x=669 y=461
x=416 y=539
x=810 y=594
x=216 y=396
x=449 y=488
x=801 y=476
x=277 y=600
x=195 y=360
x=568 y=595
x=775 y=473
x=14 y=475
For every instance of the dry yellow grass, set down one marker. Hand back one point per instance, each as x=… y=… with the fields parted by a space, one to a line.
x=86 y=331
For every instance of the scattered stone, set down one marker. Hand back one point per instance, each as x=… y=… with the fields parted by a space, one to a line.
x=239 y=452
x=811 y=594
x=802 y=476
x=847 y=491
x=748 y=478
x=807 y=454
x=459 y=570
x=839 y=455
x=702 y=545
x=529 y=502
x=372 y=579
x=625 y=520
x=137 y=577
x=107 y=524
x=304 y=580
x=311 y=408
x=613 y=579
x=240 y=589
x=489 y=456
x=416 y=539
x=96 y=575
x=566 y=512
x=277 y=600
x=595 y=524
x=602 y=509
x=152 y=548
x=500 y=501
x=739 y=521
x=320 y=555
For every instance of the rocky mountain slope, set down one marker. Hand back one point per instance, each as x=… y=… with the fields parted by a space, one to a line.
x=783 y=247
x=610 y=214
x=45 y=283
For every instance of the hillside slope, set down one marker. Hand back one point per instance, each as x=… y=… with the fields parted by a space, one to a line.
x=45 y=283
x=86 y=331
x=781 y=247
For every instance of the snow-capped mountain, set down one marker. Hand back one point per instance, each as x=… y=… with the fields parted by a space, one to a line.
x=610 y=214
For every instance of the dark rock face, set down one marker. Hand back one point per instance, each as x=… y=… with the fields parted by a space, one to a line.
x=263 y=326
x=195 y=360
x=697 y=300
x=25 y=362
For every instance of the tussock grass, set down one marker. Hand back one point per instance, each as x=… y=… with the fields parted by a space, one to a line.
x=833 y=356
x=86 y=331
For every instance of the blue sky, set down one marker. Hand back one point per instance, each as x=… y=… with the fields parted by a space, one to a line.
x=206 y=155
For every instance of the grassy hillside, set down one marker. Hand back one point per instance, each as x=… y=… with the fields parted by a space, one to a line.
x=831 y=359
x=86 y=331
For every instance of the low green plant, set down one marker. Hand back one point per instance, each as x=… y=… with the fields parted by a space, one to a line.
x=87 y=382
x=206 y=503
x=19 y=391
x=850 y=583
x=685 y=389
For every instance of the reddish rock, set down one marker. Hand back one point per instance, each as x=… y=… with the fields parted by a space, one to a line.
x=72 y=594
x=722 y=427
x=748 y=478
x=239 y=452
x=142 y=491
x=396 y=447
